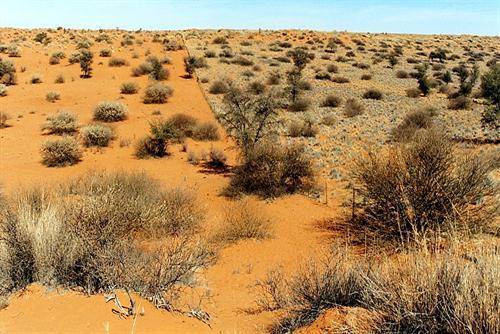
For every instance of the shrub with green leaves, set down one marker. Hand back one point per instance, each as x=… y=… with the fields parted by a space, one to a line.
x=110 y=111
x=156 y=144
x=86 y=59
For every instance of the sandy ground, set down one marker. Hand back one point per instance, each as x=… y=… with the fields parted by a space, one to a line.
x=229 y=284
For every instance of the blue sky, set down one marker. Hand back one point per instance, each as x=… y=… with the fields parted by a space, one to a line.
x=425 y=16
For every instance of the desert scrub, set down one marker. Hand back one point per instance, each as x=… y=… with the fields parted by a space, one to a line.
x=353 y=108
x=53 y=96
x=331 y=101
x=117 y=62
x=457 y=292
x=423 y=190
x=156 y=143
x=110 y=111
x=86 y=234
x=63 y=122
x=4 y=117
x=270 y=171
x=218 y=87
x=105 y=53
x=60 y=152
x=206 y=131
x=413 y=121
x=96 y=135
x=243 y=220
x=157 y=93
x=182 y=124
x=7 y=72
x=129 y=88
x=3 y=90
x=36 y=79
x=59 y=79
x=373 y=94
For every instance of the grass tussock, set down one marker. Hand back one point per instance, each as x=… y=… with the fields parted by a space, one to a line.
x=87 y=233
x=243 y=220
x=447 y=291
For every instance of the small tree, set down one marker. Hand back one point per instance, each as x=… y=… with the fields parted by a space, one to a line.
x=490 y=88
x=423 y=81
x=190 y=65
x=248 y=118
x=299 y=57
x=86 y=59
x=468 y=79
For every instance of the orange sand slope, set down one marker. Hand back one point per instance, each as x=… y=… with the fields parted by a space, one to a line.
x=229 y=283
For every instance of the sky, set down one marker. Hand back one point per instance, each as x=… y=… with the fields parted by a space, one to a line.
x=480 y=17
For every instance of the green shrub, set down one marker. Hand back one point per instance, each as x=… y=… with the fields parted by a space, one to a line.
x=156 y=144
x=157 y=93
x=96 y=135
x=61 y=152
x=110 y=111
x=183 y=124
x=86 y=59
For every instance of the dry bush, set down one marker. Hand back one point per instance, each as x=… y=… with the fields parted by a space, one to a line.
x=373 y=94
x=157 y=93
x=96 y=135
x=300 y=104
x=401 y=74
x=413 y=121
x=332 y=101
x=340 y=80
x=129 y=88
x=3 y=90
x=366 y=77
x=117 y=62
x=218 y=87
x=36 y=79
x=7 y=72
x=422 y=190
x=306 y=128
x=86 y=234
x=4 y=117
x=353 y=108
x=314 y=289
x=459 y=102
x=269 y=171
x=63 y=122
x=53 y=96
x=448 y=291
x=243 y=220
x=216 y=158
x=59 y=79
x=110 y=111
x=206 y=131
x=183 y=124
x=60 y=152
x=413 y=92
